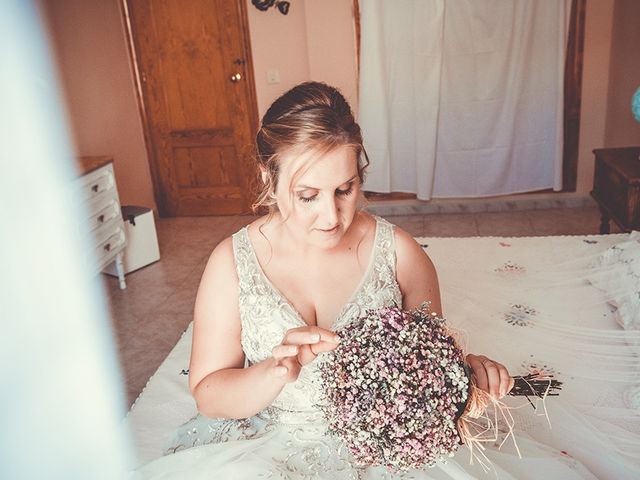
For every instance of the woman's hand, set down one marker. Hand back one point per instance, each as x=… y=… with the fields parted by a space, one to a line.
x=299 y=347
x=490 y=376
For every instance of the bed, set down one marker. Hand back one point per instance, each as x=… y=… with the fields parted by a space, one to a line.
x=548 y=290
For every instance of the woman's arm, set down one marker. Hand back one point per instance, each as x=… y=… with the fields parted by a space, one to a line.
x=220 y=384
x=418 y=282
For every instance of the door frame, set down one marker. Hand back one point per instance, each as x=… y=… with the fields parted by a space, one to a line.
x=152 y=158
x=573 y=95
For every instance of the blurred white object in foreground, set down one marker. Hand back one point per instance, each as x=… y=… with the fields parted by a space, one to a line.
x=60 y=401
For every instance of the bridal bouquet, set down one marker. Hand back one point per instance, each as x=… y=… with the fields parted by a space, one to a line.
x=399 y=393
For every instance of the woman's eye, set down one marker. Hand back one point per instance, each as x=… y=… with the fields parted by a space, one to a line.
x=342 y=193
x=346 y=192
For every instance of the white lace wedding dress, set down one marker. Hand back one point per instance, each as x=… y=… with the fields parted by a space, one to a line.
x=288 y=440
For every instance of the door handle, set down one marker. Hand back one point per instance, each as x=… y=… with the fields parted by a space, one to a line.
x=236 y=78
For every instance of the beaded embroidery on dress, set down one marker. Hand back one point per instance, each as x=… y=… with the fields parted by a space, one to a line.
x=289 y=440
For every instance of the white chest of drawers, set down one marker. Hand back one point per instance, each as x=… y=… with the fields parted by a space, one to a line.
x=102 y=226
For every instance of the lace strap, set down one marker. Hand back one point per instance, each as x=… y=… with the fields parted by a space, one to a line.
x=242 y=252
x=385 y=246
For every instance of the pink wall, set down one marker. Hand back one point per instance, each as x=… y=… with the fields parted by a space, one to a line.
x=595 y=85
x=332 y=47
x=95 y=70
x=624 y=75
x=278 y=42
x=314 y=41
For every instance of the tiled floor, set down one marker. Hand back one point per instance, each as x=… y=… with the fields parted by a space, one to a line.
x=149 y=316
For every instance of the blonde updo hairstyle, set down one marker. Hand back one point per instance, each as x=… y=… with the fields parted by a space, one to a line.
x=312 y=116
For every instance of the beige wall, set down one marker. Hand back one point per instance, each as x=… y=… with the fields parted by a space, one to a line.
x=278 y=42
x=624 y=75
x=332 y=47
x=314 y=41
x=611 y=75
x=94 y=67
x=595 y=85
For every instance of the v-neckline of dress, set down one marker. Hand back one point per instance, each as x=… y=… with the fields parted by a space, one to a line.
x=276 y=291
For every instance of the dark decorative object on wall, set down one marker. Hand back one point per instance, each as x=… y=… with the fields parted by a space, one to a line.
x=264 y=5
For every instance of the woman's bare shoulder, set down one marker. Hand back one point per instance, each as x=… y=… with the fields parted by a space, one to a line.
x=223 y=254
x=221 y=265
x=262 y=235
x=222 y=261
x=409 y=253
x=405 y=242
x=223 y=257
x=415 y=272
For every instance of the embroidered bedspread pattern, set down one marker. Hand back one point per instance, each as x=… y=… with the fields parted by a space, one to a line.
x=538 y=289
x=518 y=268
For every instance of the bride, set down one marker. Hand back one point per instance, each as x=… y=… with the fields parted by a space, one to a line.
x=272 y=296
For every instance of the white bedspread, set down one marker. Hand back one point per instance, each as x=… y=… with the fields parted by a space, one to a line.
x=467 y=269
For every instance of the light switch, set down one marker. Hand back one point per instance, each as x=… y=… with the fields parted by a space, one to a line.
x=273 y=76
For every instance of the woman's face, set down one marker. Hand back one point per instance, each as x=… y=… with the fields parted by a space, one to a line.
x=322 y=201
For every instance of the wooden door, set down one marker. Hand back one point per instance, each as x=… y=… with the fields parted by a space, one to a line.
x=197 y=94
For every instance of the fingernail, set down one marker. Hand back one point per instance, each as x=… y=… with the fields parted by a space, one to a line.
x=293 y=349
x=315 y=337
x=336 y=339
x=280 y=371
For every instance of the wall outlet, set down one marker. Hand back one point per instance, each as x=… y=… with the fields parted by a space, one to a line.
x=273 y=76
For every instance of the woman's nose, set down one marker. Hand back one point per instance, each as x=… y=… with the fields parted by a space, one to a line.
x=330 y=213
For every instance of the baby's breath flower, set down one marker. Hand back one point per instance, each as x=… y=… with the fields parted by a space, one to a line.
x=402 y=386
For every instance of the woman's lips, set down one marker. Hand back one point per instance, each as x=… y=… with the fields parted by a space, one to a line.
x=332 y=230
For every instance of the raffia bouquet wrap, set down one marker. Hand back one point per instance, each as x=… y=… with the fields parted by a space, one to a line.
x=399 y=393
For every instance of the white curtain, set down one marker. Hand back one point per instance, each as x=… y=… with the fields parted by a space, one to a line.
x=463 y=98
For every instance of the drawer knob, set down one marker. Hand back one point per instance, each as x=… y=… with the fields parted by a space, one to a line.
x=107 y=247
x=101 y=219
x=94 y=188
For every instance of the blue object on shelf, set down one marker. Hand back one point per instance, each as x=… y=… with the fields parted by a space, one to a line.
x=635 y=105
